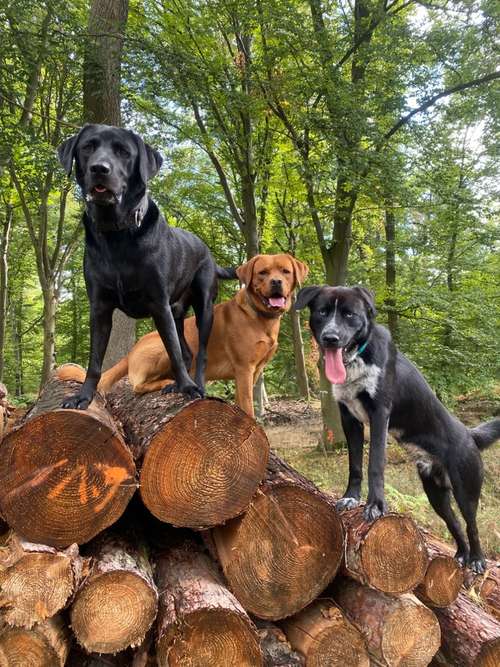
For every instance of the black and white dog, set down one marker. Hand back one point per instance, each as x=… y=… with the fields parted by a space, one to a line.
x=375 y=384
x=134 y=261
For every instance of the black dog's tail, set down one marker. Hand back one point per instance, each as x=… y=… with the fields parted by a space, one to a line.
x=226 y=274
x=486 y=434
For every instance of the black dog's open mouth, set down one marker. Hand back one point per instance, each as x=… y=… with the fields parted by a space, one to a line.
x=277 y=302
x=101 y=194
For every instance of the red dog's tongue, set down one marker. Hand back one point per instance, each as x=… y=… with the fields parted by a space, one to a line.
x=334 y=366
x=277 y=301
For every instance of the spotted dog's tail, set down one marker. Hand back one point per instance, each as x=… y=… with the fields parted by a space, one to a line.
x=486 y=434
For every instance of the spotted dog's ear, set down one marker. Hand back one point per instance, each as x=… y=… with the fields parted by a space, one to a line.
x=245 y=271
x=306 y=295
x=368 y=297
x=150 y=160
x=66 y=151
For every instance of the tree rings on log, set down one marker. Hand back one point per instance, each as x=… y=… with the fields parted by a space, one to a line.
x=65 y=475
x=118 y=602
x=36 y=581
x=388 y=554
x=44 y=645
x=399 y=631
x=324 y=635
x=285 y=549
x=200 y=623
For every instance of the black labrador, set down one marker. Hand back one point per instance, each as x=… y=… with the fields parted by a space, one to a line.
x=133 y=260
x=377 y=385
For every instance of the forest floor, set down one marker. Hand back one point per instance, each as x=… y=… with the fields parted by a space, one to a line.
x=294 y=428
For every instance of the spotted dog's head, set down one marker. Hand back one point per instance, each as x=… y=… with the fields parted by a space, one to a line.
x=341 y=319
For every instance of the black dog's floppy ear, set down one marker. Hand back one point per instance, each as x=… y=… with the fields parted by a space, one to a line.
x=306 y=295
x=369 y=299
x=66 y=151
x=150 y=159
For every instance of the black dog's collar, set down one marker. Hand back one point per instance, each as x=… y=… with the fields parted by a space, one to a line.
x=132 y=221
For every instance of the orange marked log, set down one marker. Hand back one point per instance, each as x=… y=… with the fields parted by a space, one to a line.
x=65 y=475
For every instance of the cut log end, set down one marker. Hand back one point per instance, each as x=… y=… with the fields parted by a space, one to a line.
x=442 y=582
x=282 y=553
x=207 y=638
x=489 y=655
x=36 y=587
x=44 y=645
x=203 y=466
x=113 y=611
x=66 y=475
x=389 y=554
x=404 y=647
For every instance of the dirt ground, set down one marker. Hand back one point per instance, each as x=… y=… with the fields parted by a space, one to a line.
x=294 y=429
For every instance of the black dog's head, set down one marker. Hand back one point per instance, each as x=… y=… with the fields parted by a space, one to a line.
x=113 y=165
x=341 y=320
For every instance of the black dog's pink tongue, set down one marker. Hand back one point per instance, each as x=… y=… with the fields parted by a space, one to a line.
x=99 y=188
x=334 y=366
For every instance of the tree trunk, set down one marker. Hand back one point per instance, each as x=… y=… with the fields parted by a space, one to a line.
x=390 y=271
x=118 y=601
x=17 y=308
x=388 y=554
x=443 y=578
x=203 y=459
x=471 y=637
x=47 y=644
x=298 y=353
x=4 y=274
x=36 y=581
x=260 y=396
x=399 y=631
x=199 y=621
x=285 y=549
x=323 y=634
x=101 y=104
x=276 y=650
x=49 y=333
x=65 y=475
x=332 y=434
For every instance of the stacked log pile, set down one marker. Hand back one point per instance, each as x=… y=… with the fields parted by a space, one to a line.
x=226 y=556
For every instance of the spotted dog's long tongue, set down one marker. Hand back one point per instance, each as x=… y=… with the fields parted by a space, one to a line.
x=334 y=366
x=277 y=301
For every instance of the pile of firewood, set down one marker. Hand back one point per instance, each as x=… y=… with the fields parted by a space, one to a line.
x=157 y=531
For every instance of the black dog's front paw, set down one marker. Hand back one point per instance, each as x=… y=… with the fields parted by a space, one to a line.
x=77 y=402
x=374 y=510
x=346 y=503
x=170 y=388
x=462 y=557
x=478 y=565
x=190 y=390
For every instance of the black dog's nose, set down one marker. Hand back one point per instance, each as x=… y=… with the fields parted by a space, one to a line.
x=101 y=168
x=330 y=339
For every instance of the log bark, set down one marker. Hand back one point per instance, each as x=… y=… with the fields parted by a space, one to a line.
x=65 y=475
x=118 y=602
x=471 y=637
x=443 y=577
x=46 y=644
x=324 y=636
x=36 y=581
x=203 y=460
x=399 y=631
x=200 y=623
x=287 y=547
x=388 y=554
x=487 y=587
x=275 y=647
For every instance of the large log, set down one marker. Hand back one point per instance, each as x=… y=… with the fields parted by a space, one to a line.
x=200 y=623
x=117 y=604
x=324 y=635
x=470 y=636
x=285 y=549
x=275 y=647
x=399 y=631
x=65 y=475
x=203 y=460
x=388 y=554
x=36 y=581
x=443 y=577
x=487 y=587
x=46 y=644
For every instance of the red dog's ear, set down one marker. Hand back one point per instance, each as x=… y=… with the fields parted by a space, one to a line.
x=245 y=271
x=301 y=270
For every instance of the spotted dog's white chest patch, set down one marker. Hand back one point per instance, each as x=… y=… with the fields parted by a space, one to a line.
x=360 y=377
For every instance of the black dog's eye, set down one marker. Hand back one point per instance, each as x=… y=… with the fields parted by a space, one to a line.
x=348 y=315
x=323 y=311
x=88 y=147
x=122 y=151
